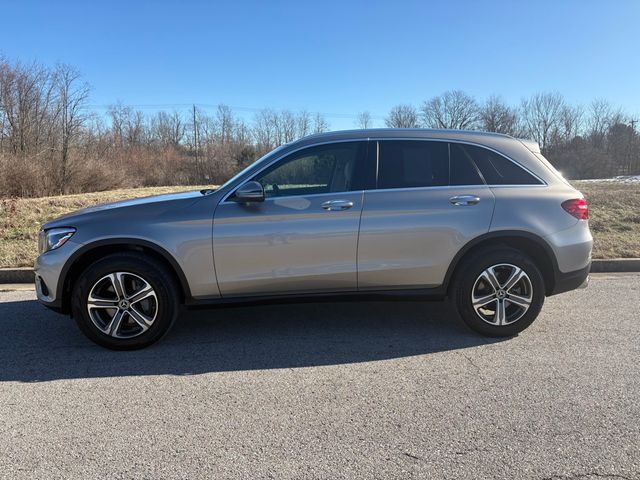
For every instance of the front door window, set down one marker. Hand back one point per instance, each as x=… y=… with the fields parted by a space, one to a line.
x=315 y=170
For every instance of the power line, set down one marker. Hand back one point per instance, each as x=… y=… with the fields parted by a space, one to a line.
x=210 y=106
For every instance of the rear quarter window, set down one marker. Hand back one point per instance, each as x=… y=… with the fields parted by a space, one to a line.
x=496 y=169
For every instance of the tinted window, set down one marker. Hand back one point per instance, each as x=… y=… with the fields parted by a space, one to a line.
x=406 y=164
x=462 y=169
x=323 y=169
x=496 y=169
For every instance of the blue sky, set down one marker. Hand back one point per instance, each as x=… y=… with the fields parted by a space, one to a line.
x=333 y=57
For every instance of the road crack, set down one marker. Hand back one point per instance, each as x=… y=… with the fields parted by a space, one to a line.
x=472 y=363
x=587 y=474
x=415 y=457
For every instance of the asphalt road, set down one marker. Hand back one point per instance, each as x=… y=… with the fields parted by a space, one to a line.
x=334 y=390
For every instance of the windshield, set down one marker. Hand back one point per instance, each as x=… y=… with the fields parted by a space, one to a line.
x=242 y=172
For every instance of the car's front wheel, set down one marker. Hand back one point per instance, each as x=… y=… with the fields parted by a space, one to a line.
x=125 y=301
x=498 y=291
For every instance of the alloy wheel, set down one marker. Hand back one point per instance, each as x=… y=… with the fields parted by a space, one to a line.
x=122 y=305
x=502 y=294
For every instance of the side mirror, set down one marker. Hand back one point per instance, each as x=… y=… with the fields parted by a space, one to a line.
x=249 y=192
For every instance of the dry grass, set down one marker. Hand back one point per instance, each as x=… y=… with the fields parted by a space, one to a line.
x=20 y=218
x=614 y=217
x=614 y=207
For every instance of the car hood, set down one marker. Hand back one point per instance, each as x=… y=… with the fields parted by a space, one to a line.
x=156 y=200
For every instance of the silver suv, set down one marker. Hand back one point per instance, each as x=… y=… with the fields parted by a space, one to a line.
x=481 y=218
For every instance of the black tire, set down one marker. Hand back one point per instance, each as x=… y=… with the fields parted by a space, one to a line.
x=166 y=302
x=468 y=271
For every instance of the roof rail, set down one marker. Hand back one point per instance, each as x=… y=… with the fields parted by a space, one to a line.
x=531 y=145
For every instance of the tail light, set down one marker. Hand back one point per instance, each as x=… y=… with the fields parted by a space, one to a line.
x=577 y=207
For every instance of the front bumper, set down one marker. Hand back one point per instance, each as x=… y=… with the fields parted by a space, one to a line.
x=48 y=270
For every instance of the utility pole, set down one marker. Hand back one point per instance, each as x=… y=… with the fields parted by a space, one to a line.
x=634 y=163
x=195 y=142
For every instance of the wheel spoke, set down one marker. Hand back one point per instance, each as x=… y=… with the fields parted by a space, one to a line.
x=519 y=300
x=118 y=284
x=501 y=314
x=479 y=302
x=94 y=302
x=114 y=325
x=142 y=320
x=490 y=276
x=516 y=275
x=145 y=292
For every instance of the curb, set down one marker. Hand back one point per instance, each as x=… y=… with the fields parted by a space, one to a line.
x=615 y=265
x=25 y=274
x=16 y=275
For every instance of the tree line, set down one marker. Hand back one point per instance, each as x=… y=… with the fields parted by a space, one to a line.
x=592 y=141
x=53 y=142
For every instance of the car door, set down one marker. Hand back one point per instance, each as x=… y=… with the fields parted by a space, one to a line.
x=430 y=200
x=303 y=237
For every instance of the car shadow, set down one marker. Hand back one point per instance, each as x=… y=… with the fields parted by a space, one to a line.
x=39 y=345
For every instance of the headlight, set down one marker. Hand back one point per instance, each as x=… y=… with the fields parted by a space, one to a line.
x=53 y=238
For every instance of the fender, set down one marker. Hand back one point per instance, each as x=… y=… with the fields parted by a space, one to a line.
x=497 y=235
x=132 y=242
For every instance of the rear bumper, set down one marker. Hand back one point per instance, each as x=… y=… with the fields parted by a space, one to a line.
x=571 y=280
x=572 y=247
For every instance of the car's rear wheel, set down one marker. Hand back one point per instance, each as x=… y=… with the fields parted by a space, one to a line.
x=498 y=291
x=125 y=301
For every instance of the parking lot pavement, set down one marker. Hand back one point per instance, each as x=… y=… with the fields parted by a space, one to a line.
x=331 y=390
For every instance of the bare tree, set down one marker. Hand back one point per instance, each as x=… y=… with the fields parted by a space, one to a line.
x=621 y=138
x=72 y=95
x=128 y=125
x=453 y=109
x=271 y=128
x=263 y=130
x=320 y=123
x=242 y=133
x=168 y=128
x=224 y=123
x=29 y=129
x=287 y=125
x=496 y=116
x=26 y=96
x=303 y=124
x=600 y=117
x=402 y=116
x=542 y=117
x=136 y=128
x=364 y=120
x=117 y=114
x=571 y=120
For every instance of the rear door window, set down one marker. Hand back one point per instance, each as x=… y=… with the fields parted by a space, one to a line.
x=463 y=169
x=410 y=164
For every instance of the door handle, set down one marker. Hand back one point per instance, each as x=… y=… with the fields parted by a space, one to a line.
x=462 y=200
x=336 y=205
